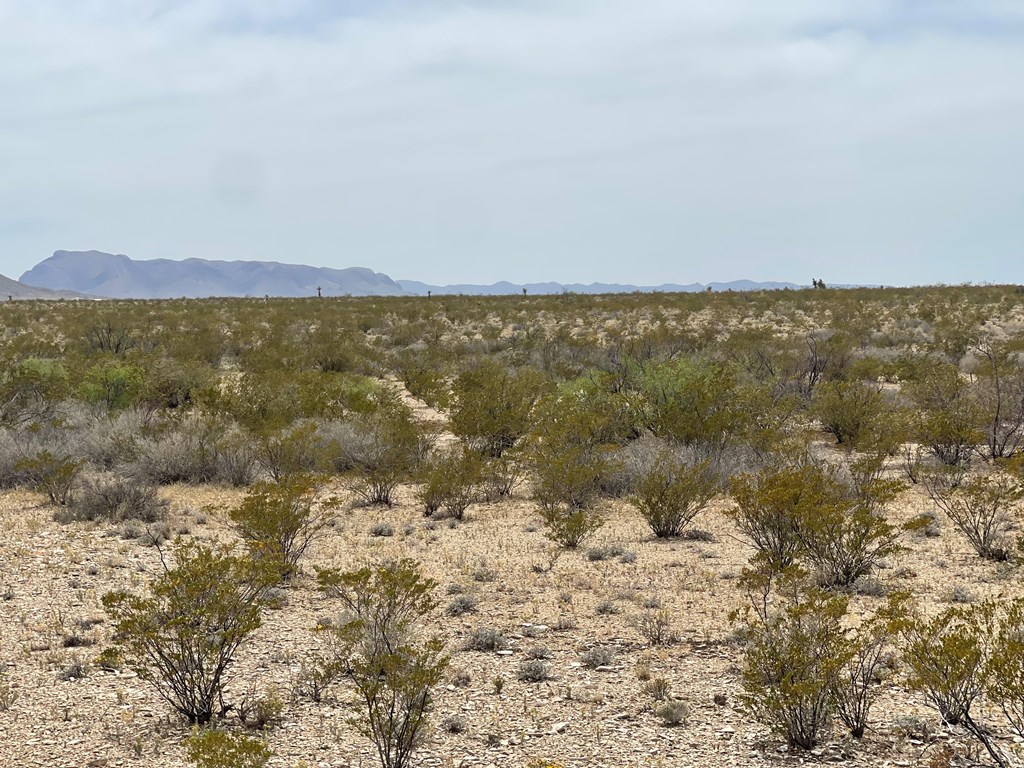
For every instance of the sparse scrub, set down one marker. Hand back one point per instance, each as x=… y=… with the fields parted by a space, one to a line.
x=981 y=507
x=221 y=749
x=393 y=666
x=670 y=495
x=184 y=634
x=278 y=522
x=117 y=499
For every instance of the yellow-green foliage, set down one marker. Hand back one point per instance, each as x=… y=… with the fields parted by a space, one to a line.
x=220 y=749
x=183 y=634
x=278 y=521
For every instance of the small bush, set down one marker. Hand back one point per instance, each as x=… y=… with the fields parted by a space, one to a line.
x=769 y=506
x=461 y=605
x=485 y=639
x=599 y=656
x=382 y=530
x=382 y=447
x=980 y=507
x=315 y=677
x=670 y=495
x=533 y=671
x=261 y=712
x=451 y=482
x=673 y=713
x=184 y=634
x=605 y=552
x=656 y=628
x=455 y=724
x=793 y=659
x=570 y=528
x=219 y=749
x=657 y=688
x=537 y=652
x=187 y=455
x=52 y=474
x=393 y=667
x=278 y=522
x=118 y=499
x=74 y=670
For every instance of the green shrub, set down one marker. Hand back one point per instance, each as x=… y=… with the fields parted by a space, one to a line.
x=492 y=405
x=769 y=506
x=30 y=390
x=383 y=448
x=219 y=749
x=278 y=522
x=670 y=495
x=847 y=535
x=451 y=482
x=393 y=667
x=947 y=661
x=261 y=711
x=949 y=420
x=113 y=384
x=295 y=449
x=692 y=401
x=870 y=654
x=980 y=507
x=566 y=483
x=852 y=411
x=52 y=474
x=794 y=658
x=184 y=634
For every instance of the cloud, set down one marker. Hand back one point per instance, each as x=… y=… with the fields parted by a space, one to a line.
x=668 y=140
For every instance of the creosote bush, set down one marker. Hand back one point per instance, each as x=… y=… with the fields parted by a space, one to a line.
x=183 y=635
x=451 y=482
x=804 y=511
x=393 y=665
x=802 y=666
x=221 y=749
x=52 y=474
x=492 y=405
x=278 y=521
x=670 y=495
x=980 y=506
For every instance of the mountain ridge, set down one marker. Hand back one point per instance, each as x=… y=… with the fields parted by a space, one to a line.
x=504 y=287
x=11 y=289
x=117 y=276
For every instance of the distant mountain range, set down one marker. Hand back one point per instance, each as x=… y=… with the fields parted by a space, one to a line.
x=119 y=277
x=504 y=288
x=12 y=289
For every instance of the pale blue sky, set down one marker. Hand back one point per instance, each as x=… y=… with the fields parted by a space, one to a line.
x=641 y=141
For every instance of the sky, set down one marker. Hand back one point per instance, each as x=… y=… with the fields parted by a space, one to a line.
x=632 y=141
